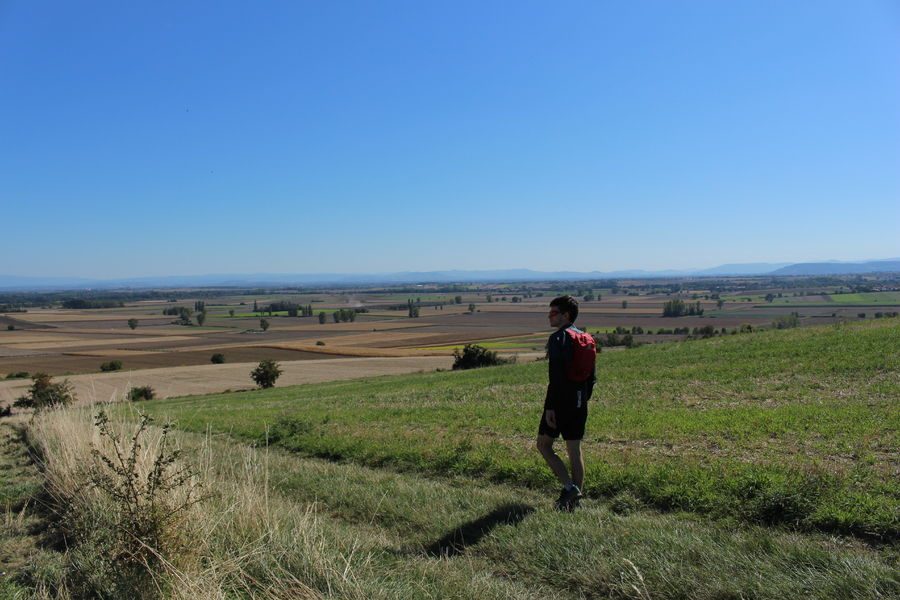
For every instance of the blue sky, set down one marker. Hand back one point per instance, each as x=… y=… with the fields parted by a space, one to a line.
x=208 y=137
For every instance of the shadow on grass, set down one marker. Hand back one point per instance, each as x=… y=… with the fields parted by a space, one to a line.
x=468 y=534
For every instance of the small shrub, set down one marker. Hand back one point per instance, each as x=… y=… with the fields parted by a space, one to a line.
x=861 y=315
x=474 y=356
x=113 y=365
x=149 y=506
x=18 y=375
x=6 y=411
x=10 y=327
x=133 y=323
x=787 y=321
x=625 y=503
x=266 y=373
x=217 y=359
x=141 y=393
x=320 y=343
x=707 y=331
x=43 y=393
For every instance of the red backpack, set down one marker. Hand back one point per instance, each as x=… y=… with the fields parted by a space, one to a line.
x=584 y=355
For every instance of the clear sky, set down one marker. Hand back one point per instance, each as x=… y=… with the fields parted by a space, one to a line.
x=166 y=138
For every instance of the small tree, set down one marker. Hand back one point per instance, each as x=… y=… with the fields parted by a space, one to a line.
x=231 y=312
x=624 y=303
x=133 y=323
x=43 y=393
x=217 y=358
x=322 y=318
x=471 y=307
x=113 y=365
x=264 y=324
x=266 y=373
x=201 y=318
x=144 y=392
x=474 y=356
x=184 y=316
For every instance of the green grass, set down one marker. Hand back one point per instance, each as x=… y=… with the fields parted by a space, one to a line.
x=277 y=525
x=20 y=485
x=586 y=554
x=829 y=300
x=882 y=298
x=796 y=427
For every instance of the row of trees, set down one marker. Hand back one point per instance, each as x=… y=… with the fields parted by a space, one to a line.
x=82 y=303
x=344 y=315
x=677 y=308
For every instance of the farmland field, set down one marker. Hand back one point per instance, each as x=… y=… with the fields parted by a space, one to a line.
x=76 y=341
x=872 y=298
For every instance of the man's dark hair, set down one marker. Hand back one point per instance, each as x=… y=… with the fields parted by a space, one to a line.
x=566 y=304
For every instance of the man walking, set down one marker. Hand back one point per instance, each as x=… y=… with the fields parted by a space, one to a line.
x=572 y=355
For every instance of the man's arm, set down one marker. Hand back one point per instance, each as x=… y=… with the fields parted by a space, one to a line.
x=557 y=349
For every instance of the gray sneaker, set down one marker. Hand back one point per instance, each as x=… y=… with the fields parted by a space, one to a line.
x=568 y=499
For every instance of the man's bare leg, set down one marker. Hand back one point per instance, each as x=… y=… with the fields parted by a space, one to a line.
x=545 y=447
x=573 y=447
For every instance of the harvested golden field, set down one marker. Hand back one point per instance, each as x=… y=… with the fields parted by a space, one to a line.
x=183 y=381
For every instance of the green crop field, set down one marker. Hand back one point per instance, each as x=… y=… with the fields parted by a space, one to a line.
x=794 y=427
x=875 y=298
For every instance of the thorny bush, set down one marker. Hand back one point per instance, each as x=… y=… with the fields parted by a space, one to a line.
x=150 y=506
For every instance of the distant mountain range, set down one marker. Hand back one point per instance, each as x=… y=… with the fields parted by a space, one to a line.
x=284 y=279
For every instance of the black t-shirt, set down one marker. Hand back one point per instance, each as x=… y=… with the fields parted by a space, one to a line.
x=561 y=392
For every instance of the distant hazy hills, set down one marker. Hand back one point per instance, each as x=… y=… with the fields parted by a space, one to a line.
x=839 y=268
x=265 y=279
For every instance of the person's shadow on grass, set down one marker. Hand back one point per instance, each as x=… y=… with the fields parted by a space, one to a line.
x=468 y=534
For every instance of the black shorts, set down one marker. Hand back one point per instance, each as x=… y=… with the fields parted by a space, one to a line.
x=570 y=422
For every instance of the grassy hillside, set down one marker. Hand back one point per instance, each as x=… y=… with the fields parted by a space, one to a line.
x=797 y=427
x=274 y=525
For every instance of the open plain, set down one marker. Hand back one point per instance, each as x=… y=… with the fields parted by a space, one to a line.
x=508 y=318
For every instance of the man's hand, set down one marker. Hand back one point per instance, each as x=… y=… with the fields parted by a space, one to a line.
x=550 y=417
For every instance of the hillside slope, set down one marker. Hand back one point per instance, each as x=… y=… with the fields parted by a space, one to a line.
x=795 y=427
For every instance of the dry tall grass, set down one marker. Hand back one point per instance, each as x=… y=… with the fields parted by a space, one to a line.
x=239 y=540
